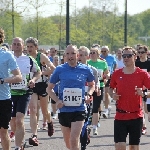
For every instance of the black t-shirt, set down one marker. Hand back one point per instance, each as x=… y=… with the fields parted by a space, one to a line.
x=143 y=65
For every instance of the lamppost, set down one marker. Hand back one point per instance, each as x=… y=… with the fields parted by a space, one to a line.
x=67 y=24
x=125 y=24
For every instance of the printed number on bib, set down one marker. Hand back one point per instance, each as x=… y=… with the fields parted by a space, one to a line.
x=100 y=74
x=72 y=96
x=20 y=85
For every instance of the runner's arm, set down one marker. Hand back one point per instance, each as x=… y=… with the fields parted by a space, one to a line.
x=49 y=65
x=91 y=88
x=51 y=92
x=36 y=72
x=107 y=74
x=17 y=77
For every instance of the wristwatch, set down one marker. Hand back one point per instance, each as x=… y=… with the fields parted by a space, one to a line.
x=2 y=80
x=144 y=95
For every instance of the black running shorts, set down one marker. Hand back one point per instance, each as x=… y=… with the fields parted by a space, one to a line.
x=124 y=127
x=5 y=113
x=66 y=118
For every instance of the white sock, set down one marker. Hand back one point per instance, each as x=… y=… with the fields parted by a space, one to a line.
x=94 y=126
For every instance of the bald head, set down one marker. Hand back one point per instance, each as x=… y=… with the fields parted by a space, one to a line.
x=17 y=44
x=71 y=47
x=18 y=39
x=71 y=55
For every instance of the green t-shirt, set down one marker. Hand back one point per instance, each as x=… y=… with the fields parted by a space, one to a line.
x=101 y=66
x=33 y=68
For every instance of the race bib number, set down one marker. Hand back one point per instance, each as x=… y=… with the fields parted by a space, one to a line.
x=20 y=85
x=100 y=74
x=72 y=96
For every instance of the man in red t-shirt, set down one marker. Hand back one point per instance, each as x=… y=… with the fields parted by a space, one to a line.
x=129 y=115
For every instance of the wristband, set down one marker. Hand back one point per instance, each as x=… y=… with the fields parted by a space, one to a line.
x=144 y=95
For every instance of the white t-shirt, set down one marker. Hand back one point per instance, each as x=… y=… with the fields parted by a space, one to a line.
x=120 y=64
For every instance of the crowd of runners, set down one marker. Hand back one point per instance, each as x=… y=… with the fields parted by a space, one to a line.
x=75 y=86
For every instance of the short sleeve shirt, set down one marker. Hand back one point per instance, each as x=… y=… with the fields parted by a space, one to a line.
x=24 y=63
x=125 y=86
x=72 y=77
x=7 y=64
x=111 y=61
x=99 y=64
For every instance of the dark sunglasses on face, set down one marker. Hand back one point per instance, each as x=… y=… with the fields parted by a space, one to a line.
x=127 y=55
x=103 y=51
x=141 y=52
x=92 y=52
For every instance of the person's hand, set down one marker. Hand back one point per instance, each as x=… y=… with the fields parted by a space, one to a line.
x=98 y=92
x=88 y=99
x=31 y=83
x=59 y=104
x=116 y=96
x=138 y=91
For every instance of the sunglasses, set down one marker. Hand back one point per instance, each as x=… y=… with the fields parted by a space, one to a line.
x=141 y=52
x=92 y=52
x=127 y=55
x=103 y=51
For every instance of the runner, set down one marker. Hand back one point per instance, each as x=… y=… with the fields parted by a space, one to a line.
x=102 y=68
x=119 y=59
x=112 y=64
x=53 y=103
x=52 y=53
x=143 y=63
x=129 y=115
x=7 y=64
x=39 y=91
x=20 y=95
x=84 y=53
x=72 y=77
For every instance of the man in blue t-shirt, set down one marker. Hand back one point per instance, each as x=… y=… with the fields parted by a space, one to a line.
x=112 y=64
x=7 y=64
x=72 y=77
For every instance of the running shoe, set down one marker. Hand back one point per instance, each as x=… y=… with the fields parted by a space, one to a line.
x=38 y=128
x=98 y=125
x=33 y=141
x=106 y=114
x=95 y=132
x=144 y=130
x=50 y=129
x=44 y=126
x=12 y=136
x=54 y=116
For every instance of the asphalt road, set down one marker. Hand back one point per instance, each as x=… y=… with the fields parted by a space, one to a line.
x=103 y=141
